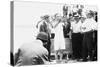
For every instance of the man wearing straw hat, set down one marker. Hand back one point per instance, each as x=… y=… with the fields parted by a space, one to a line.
x=45 y=27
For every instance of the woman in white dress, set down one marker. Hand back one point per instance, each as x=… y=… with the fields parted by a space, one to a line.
x=59 y=41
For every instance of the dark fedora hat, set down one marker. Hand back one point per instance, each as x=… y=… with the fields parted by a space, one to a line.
x=42 y=36
x=45 y=17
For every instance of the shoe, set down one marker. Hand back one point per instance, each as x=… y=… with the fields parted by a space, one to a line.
x=84 y=60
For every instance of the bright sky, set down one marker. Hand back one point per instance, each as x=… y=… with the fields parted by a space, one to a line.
x=26 y=15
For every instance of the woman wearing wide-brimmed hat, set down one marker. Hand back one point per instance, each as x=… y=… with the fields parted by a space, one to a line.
x=59 y=41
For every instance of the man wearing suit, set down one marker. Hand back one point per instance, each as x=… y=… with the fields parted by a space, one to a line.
x=44 y=26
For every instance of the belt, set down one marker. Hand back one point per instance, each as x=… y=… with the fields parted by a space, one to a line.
x=75 y=32
x=88 y=32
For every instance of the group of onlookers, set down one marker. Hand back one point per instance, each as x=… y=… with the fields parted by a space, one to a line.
x=81 y=30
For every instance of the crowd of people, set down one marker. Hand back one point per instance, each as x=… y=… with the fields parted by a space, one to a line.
x=78 y=26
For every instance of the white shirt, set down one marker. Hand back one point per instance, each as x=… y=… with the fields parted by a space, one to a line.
x=88 y=25
x=76 y=27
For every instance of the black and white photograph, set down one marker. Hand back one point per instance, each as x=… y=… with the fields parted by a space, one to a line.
x=44 y=33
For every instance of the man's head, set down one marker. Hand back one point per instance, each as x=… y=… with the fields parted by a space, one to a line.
x=45 y=17
x=89 y=14
x=76 y=19
x=65 y=10
x=43 y=37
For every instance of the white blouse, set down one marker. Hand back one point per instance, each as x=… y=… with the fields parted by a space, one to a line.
x=88 y=25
